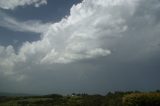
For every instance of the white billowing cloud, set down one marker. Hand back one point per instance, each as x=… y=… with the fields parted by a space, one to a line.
x=79 y=35
x=87 y=32
x=12 y=4
x=75 y=37
x=7 y=59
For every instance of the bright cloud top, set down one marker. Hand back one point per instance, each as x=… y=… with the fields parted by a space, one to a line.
x=12 y=4
x=87 y=32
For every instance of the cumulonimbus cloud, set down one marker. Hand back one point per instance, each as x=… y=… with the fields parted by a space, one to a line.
x=79 y=35
x=86 y=33
x=12 y=4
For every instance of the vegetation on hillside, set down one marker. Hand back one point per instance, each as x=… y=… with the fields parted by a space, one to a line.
x=111 y=99
x=142 y=99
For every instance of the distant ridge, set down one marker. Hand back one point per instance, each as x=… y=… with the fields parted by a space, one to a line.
x=15 y=94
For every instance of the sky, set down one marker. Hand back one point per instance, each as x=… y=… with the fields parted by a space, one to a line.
x=81 y=46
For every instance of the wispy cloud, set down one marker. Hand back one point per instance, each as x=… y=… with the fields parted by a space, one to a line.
x=12 y=4
x=27 y=26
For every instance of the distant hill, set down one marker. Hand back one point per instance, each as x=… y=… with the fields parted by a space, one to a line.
x=14 y=94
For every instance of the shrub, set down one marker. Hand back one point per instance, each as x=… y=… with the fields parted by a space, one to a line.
x=142 y=99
